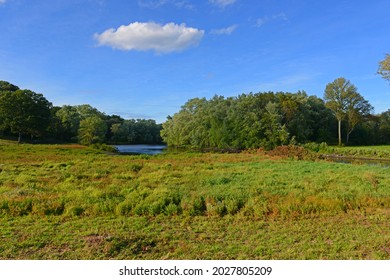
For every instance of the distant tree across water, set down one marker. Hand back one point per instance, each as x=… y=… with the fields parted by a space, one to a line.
x=24 y=112
x=268 y=119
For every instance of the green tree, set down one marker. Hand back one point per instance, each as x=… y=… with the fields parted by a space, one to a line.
x=183 y=128
x=342 y=98
x=6 y=86
x=25 y=112
x=384 y=127
x=111 y=121
x=92 y=130
x=86 y=110
x=384 y=67
x=70 y=118
x=295 y=112
x=358 y=109
x=69 y=122
x=275 y=133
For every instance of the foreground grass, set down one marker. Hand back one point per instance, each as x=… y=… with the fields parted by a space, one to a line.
x=69 y=202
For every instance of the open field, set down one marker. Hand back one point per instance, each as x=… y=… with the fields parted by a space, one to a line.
x=70 y=202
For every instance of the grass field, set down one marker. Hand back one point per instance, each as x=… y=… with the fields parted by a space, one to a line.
x=71 y=202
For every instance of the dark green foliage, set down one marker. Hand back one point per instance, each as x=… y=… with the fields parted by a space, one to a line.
x=198 y=206
x=92 y=130
x=384 y=127
x=5 y=86
x=266 y=120
x=134 y=131
x=249 y=121
x=24 y=112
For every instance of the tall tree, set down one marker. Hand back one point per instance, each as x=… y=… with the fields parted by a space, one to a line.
x=69 y=119
x=275 y=133
x=384 y=127
x=384 y=67
x=92 y=130
x=357 y=110
x=342 y=98
x=25 y=112
x=6 y=87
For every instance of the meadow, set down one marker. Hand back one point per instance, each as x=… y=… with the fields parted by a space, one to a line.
x=74 y=202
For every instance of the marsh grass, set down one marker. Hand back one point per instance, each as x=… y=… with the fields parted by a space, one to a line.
x=360 y=151
x=68 y=201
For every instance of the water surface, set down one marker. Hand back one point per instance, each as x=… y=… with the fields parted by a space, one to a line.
x=357 y=160
x=141 y=149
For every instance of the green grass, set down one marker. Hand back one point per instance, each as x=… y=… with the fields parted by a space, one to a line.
x=71 y=202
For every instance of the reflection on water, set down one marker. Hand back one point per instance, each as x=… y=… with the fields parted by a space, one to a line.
x=141 y=149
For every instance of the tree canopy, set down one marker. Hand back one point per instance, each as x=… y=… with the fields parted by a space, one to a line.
x=249 y=121
x=6 y=86
x=25 y=112
x=92 y=130
x=384 y=67
x=342 y=98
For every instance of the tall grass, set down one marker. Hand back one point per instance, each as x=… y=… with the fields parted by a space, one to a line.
x=70 y=184
x=47 y=180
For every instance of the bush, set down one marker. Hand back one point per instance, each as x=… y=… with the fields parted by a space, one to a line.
x=104 y=147
x=76 y=211
x=136 y=167
x=198 y=206
x=295 y=152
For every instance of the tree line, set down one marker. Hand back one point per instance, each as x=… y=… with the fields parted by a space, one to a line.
x=25 y=113
x=271 y=119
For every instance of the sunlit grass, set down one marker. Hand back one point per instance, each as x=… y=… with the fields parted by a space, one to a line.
x=68 y=201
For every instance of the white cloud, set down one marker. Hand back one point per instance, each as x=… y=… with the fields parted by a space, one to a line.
x=224 y=31
x=222 y=3
x=2 y=1
x=144 y=36
x=263 y=20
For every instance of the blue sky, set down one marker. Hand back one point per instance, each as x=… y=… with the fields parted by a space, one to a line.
x=146 y=58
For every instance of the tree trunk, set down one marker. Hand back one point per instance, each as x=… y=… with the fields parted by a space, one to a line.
x=349 y=133
x=20 y=138
x=339 y=132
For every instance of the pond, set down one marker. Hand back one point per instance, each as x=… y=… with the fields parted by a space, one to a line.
x=141 y=149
